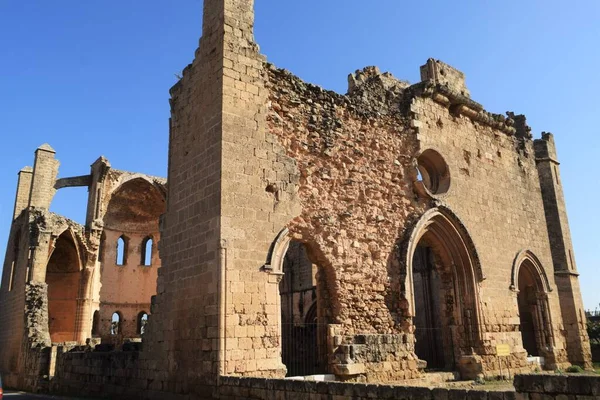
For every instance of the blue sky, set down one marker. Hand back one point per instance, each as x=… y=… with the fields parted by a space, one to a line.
x=92 y=78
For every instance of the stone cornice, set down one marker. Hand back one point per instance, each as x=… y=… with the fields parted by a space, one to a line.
x=459 y=104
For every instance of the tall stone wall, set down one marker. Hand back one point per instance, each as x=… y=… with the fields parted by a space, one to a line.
x=495 y=191
x=12 y=300
x=257 y=158
x=186 y=329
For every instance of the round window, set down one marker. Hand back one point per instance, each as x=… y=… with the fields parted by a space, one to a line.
x=433 y=172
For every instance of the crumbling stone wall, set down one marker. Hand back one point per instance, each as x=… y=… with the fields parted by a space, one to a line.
x=360 y=195
x=131 y=207
x=53 y=276
x=258 y=158
x=354 y=157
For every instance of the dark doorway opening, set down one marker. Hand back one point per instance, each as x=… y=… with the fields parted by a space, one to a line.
x=303 y=333
x=428 y=322
x=533 y=310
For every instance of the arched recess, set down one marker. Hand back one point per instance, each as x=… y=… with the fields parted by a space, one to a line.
x=63 y=277
x=131 y=216
x=527 y=256
x=305 y=300
x=96 y=324
x=530 y=282
x=441 y=285
x=135 y=206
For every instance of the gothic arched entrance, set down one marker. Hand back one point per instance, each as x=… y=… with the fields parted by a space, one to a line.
x=442 y=290
x=531 y=284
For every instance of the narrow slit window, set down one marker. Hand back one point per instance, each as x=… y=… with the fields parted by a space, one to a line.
x=147 y=247
x=14 y=262
x=98 y=200
x=571 y=259
x=12 y=276
x=121 y=251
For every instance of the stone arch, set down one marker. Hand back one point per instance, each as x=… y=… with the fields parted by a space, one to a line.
x=530 y=282
x=297 y=303
x=442 y=272
x=69 y=233
x=64 y=279
x=527 y=257
x=135 y=205
x=277 y=252
x=447 y=225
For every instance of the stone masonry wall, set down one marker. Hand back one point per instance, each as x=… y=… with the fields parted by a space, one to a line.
x=495 y=191
x=354 y=156
x=182 y=346
x=12 y=300
x=120 y=380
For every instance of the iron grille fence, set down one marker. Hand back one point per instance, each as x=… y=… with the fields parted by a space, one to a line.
x=304 y=348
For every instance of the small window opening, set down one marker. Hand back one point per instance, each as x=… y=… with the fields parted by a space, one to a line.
x=95 y=323
x=142 y=322
x=433 y=171
x=147 y=245
x=556 y=175
x=121 y=251
x=115 y=324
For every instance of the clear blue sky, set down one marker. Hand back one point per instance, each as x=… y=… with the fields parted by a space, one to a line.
x=92 y=78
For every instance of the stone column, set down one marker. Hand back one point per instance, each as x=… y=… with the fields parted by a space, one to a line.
x=45 y=171
x=23 y=191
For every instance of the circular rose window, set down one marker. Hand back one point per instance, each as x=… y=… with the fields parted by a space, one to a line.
x=433 y=172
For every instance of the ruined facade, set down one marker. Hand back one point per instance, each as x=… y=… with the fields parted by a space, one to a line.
x=393 y=230
x=78 y=284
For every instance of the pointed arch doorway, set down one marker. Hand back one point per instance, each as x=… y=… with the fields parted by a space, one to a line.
x=531 y=284
x=442 y=274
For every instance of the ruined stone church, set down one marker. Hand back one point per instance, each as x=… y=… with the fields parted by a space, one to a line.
x=368 y=237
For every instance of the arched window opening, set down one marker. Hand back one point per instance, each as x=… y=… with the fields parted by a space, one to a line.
x=142 y=321
x=303 y=334
x=121 y=251
x=147 y=247
x=429 y=332
x=95 y=323
x=115 y=324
